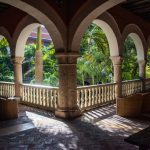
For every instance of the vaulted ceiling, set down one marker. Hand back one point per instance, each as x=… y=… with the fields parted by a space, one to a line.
x=138 y=7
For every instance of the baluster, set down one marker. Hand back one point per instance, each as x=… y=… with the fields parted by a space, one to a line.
x=78 y=98
x=25 y=98
x=47 y=98
x=40 y=101
x=52 y=97
x=99 y=95
x=55 y=98
x=42 y=97
x=96 y=95
x=114 y=87
x=102 y=94
x=82 y=98
x=28 y=100
x=33 y=95
x=22 y=93
x=110 y=93
x=93 y=100
x=31 y=99
x=44 y=100
x=37 y=97
x=105 y=87
x=86 y=99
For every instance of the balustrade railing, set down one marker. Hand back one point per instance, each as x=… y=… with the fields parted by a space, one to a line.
x=147 y=84
x=131 y=87
x=40 y=96
x=7 y=89
x=88 y=97
x=93 y=96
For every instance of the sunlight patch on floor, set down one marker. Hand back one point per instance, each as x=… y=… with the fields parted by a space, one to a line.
x=116 y=125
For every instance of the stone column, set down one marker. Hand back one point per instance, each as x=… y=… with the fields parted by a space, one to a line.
x=17 y=62
x=117 y=62
x=38 y=67
x=142 y=72
x=67 y=99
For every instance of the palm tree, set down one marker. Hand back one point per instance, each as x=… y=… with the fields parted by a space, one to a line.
x=39 y=59
x=95 y=55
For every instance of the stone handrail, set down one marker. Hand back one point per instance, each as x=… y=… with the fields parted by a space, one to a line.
x=93 y=96
x=88 y=97
x=44 y=97
x=7 y=89
x=147 y=84
x=131 y=87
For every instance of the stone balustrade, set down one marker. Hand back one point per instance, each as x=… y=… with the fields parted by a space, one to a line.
x=44 y=97
x=88 y=97
x=93 y=96
x=131 y=87
x=7 y=89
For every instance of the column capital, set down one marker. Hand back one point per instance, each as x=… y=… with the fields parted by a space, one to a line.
x=116 y=60
x=67 y=58
x=17 y=60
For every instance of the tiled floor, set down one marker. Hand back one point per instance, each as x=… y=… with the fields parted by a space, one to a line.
x=99 y=129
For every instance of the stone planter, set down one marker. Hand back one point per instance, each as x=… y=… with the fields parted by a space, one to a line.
x=129 y=106
x=8 y=109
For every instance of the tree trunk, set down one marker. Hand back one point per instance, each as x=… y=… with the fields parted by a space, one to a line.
x=38 y=59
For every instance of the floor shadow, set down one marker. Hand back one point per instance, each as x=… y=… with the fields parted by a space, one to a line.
x=99 y=129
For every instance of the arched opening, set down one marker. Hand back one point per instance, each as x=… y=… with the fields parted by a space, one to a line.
x=130 y=66
x=94 y=65
x=28 y=46
x=133 y=53
x=7 y=73
x=98 y=44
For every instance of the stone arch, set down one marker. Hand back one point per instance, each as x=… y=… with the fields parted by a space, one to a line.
x=87 y=20
x=107 y=23
x=22 y=38
x=136 y=34
x=48 y=21
x=21 y=34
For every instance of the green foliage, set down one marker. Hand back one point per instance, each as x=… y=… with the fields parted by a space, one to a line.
x=6 y=66
x=50 y=65
x=130 y=66
x=148 y=64
x=94 y=65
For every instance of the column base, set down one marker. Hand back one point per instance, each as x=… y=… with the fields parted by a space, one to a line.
x=68 y=114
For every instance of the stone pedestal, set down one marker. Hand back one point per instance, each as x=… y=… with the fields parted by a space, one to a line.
x=117 y=62
x=38 y=67
x=17 y=62
x=67 y=99
x=142 y=71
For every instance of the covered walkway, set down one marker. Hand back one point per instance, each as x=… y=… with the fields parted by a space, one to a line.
x=99 y=129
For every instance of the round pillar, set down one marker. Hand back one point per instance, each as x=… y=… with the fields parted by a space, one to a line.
x=67 y=99
x=17 y=62
x=117 y=62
